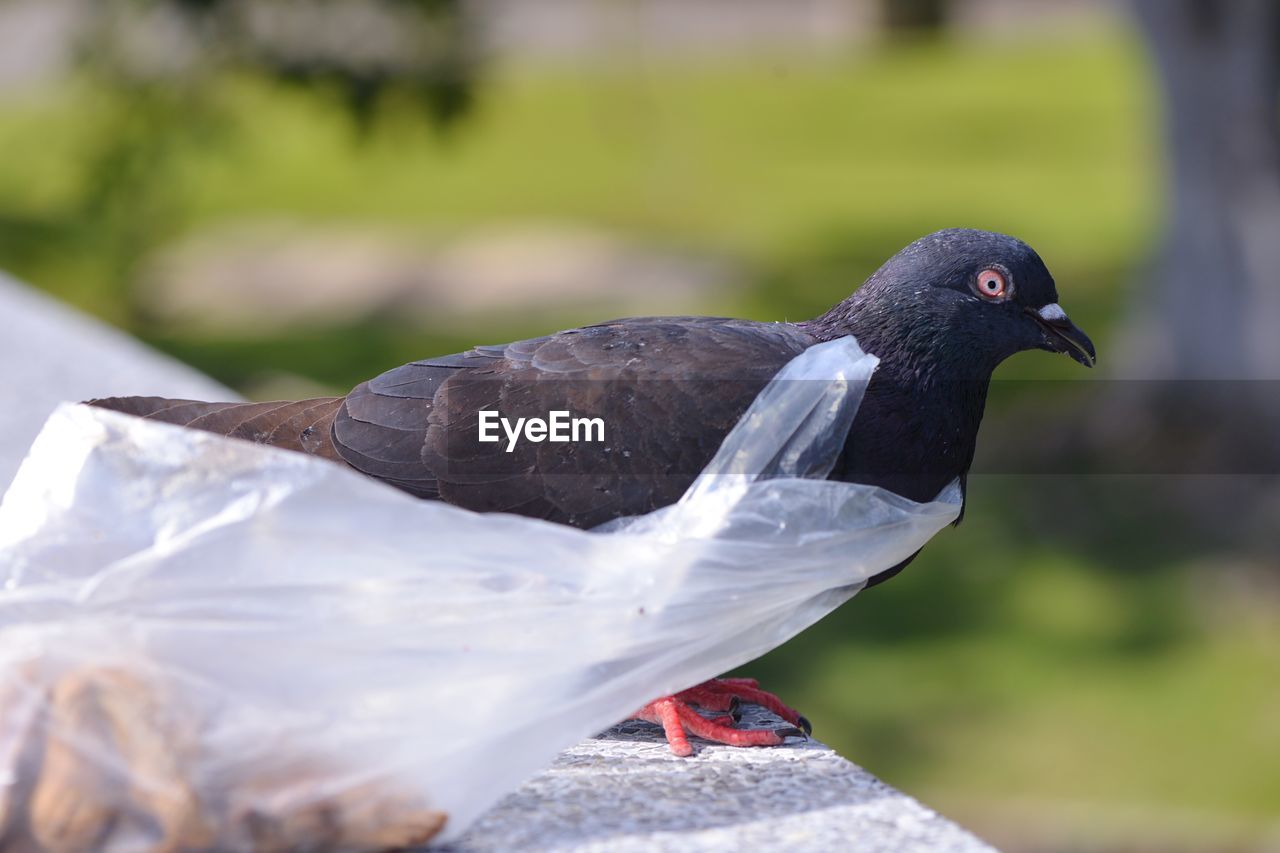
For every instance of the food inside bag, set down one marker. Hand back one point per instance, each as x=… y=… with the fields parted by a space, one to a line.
x=108 y=756
x=209 y=644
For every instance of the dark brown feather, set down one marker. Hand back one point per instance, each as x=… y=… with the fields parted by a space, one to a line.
x=304 y=425
x=668 y=390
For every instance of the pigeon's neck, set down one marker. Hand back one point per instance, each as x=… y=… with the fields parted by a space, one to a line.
x=926 y=344
x=917 y=428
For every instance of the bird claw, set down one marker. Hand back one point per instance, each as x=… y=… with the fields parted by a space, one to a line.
x=791 y=731
x=678 y=719
x=720 y=694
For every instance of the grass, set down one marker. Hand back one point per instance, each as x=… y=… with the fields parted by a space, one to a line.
x=1002 y=667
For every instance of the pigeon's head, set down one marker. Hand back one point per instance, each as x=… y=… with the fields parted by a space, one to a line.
x=963 y=297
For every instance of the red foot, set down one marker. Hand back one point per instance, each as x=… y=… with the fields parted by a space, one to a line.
x=678 y=719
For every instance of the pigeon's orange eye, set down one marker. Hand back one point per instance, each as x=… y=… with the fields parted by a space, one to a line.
x=992 y=284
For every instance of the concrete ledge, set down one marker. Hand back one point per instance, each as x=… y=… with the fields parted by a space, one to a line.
x=623 y=791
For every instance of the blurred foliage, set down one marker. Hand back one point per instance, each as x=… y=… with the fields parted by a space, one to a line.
x=1015 y=662
x=153 y=97
x=915 y=16
x=364 y=50
x=809 y=172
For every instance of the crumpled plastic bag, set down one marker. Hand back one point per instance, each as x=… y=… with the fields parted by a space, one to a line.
x=305 y=634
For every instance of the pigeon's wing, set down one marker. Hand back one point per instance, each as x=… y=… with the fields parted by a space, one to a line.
x=303 y=425
x=381 y=427
x=652 y=398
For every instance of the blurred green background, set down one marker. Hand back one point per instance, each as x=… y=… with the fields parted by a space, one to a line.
x=1045 y=694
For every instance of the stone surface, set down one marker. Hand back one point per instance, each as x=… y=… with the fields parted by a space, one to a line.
x=623 y=790
x=50 y=354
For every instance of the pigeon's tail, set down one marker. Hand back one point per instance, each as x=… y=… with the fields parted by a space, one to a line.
x=304 y=425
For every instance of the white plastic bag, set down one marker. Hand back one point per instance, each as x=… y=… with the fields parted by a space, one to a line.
x=302 y=609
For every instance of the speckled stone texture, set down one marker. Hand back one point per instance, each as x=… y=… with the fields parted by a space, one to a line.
x=623 y=790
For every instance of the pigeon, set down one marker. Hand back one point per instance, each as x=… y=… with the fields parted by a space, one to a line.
x=655 y=396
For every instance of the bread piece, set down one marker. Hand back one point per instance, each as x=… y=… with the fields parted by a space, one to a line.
x=74 y=803
x=106 y=757
x=291 y=807
x=24 y=700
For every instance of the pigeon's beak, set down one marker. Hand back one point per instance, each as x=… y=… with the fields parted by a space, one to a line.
x=1062 y=335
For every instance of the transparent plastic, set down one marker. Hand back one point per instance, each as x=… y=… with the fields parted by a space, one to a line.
x=303 y=632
